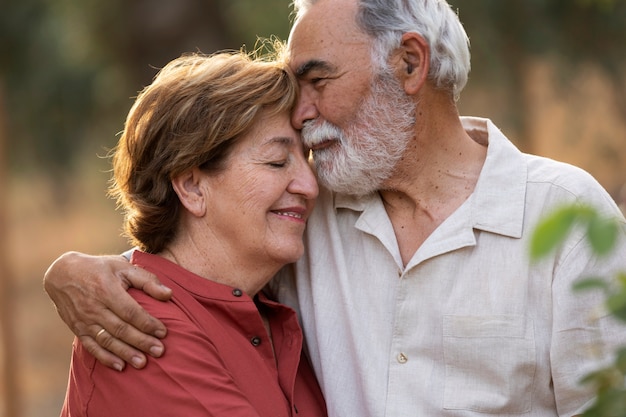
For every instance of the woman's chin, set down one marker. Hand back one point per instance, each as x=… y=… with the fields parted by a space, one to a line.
x=290 y=254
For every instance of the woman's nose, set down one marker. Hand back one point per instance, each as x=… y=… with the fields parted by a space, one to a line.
x=304 y=181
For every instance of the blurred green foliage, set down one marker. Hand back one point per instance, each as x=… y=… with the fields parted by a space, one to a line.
x=69 y=68
x=601 y=234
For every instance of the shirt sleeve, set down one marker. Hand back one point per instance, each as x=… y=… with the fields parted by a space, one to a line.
x=584 y=336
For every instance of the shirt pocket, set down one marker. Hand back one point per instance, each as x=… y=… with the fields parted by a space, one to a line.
x=489 y=363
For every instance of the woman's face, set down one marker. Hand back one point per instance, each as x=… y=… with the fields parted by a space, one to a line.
x=260 y=202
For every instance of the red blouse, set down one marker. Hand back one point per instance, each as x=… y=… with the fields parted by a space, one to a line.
x=218 y=359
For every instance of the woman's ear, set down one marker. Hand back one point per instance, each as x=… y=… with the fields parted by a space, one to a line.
x=414 y=62
x=191 y=193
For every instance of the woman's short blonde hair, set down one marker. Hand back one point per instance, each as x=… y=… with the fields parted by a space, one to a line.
x=196 y=108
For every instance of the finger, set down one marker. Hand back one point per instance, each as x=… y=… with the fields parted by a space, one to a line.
x=157 y=290
x=102 y=355
x=146 y=281
x=111 y=348
x=99 y=333
x=137 y=359
x=112 y=352
x=133 y=340
x=131 y=323
x=130 y=312
x=123 y=338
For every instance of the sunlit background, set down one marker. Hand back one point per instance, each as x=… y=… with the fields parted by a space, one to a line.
x=550 y=73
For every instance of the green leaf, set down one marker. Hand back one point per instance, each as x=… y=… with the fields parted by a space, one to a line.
x=620 y=361
x=551 y=231
x=611 y=403
x=602 y=234
x=616 y=305
x=590 y=283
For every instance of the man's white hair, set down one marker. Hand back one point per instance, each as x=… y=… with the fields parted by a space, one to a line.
x=387 y=20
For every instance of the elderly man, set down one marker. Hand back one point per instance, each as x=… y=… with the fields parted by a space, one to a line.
x=416 y=292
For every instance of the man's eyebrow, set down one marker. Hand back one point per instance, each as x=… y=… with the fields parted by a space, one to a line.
x=311 y=65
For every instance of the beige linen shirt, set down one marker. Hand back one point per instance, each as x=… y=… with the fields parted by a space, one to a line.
x=469 y=327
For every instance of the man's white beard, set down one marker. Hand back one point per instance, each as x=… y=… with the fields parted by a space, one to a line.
x=368 y=150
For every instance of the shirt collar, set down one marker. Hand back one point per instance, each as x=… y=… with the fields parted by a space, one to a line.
x=499 y=198
x=497 y=203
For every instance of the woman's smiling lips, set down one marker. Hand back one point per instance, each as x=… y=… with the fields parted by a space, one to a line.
x=296 y=213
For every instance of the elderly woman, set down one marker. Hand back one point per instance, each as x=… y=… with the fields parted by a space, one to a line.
x=216 y=190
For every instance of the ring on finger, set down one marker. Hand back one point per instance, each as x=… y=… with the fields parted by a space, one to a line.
x=100 y=332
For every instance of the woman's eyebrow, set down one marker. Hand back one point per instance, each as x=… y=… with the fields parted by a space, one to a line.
x=278 y=140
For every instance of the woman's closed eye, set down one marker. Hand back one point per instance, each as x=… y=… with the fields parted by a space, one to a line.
x=277 y=164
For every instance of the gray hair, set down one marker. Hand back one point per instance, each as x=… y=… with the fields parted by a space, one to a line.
x=387 y=20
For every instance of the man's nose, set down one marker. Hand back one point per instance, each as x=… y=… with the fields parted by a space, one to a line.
x=305 y=110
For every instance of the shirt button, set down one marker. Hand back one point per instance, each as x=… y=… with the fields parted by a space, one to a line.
x=237 y=292
x=402 y=358
x=256 y=341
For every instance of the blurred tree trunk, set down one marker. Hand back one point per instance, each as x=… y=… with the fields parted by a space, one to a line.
x=617 y=76
x=10 y=386
x=161 y=30
x=517 y=100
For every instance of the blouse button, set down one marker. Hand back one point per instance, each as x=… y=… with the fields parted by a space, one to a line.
x=402 y=358
x=256 y=341
x=237 y=292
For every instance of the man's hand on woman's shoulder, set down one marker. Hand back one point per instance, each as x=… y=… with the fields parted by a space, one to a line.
x=90 y=295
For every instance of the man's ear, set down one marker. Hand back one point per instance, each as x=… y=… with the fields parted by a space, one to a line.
x=191 y=193
x=414 y=62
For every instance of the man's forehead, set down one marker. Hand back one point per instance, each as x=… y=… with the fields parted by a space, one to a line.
x=301 y=45
x=304 y=59
x=314 y=42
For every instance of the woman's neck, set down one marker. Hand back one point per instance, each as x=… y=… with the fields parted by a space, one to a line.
x=217 y=265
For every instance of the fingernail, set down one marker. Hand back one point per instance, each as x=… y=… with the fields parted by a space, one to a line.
x=137 y=361
x=156 y=351
x=160 y=334
x=118 y=367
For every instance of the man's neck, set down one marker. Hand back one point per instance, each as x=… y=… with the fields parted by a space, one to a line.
x=438 y=173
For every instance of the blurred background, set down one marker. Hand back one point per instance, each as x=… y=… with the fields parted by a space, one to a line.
x=550 y=73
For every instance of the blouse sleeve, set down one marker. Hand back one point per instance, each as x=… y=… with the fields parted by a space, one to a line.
x=189 y=380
